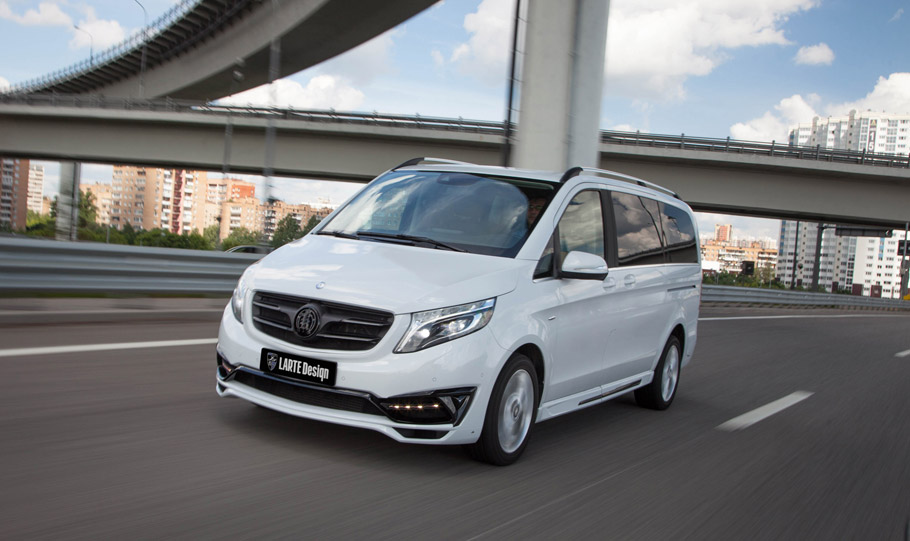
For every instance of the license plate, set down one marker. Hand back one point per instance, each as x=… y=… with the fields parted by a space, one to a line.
x=297 y=367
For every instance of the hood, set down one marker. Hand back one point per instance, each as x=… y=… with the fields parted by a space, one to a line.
x=385 y=276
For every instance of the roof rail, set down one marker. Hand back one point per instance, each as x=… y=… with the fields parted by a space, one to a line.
x=575 y=171
x=416 y=161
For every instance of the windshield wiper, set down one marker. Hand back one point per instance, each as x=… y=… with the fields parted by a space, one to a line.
x=338 y=234
x=412 y=238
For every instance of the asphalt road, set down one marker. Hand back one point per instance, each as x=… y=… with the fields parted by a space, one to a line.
x=134 y=444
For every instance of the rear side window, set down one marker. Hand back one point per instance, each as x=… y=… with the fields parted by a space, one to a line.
x=638 y=231
x=679 y=235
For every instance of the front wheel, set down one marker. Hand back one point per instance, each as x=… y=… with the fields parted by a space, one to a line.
x=659 y=394
x=510 y=414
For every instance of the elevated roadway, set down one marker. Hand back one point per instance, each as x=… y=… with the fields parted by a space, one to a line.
x=192 y=50
x=711 y=175
x=125 y=443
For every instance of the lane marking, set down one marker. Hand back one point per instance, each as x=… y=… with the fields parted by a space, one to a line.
x=748 y=419
x=903 y=353
x=21 y=352
x=732 y=318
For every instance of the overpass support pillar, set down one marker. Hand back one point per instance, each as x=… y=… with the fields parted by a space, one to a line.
x=68 y=201
x=562 y=84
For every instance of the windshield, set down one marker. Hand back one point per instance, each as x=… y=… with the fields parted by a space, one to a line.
x=454 y=211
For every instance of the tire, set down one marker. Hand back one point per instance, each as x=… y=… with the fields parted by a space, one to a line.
x=511 y=414
x=659 y=394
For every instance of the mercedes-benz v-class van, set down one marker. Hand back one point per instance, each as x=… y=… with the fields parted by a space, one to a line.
x=451 y=303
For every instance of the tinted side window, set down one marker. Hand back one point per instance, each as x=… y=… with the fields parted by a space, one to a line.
x=638 y=232
x=581 y=227
x=679 y=234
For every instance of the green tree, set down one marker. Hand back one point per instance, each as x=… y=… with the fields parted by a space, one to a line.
x=287 y=230
x=313 y=222
x=211 y=234
x=88 y=211
x=240 y=236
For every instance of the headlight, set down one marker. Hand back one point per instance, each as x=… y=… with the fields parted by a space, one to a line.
x=239 y=295
x=438 y=326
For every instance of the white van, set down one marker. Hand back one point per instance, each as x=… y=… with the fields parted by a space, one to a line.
x=450 y=303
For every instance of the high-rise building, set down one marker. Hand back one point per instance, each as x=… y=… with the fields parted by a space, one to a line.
x=845 y=260
x=13 y=192
x=723 y=232
x=868 y=131
x=796 y=256
x=35 y=187
x=878 y=265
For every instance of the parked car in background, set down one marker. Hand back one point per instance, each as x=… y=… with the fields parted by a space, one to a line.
x=451 y=303
x=251 y=249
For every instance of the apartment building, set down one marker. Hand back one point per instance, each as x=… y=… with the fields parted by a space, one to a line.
x=796 y=257
x=103 y=195
x=35 y=187
x=13 y=192
x=730 y=255
x=868 y=131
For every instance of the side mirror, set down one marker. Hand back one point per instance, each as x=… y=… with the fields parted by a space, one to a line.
x=583 y=266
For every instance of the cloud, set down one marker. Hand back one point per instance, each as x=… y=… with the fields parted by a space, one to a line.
x=438 y=59
x=47 y=14
x=890 y=94
x=654 y=47
x=775 y=125
x=321 y=92
x=744 y=227
x=486 y=52
x=104 y=33
x=815 y=55
x=897 y=15
x=4 y=83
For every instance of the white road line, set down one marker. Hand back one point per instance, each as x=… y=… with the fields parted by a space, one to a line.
x=748 y=419
x=903 y=353
x=21 y=352
x=732 y=318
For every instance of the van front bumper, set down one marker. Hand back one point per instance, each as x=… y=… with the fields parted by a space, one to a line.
x=435 y=396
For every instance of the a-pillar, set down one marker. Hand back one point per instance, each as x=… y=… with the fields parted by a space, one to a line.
x=68 y=201
x=561 y=85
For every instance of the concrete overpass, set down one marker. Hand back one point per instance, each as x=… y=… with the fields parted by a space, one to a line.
x=711 y=175
x=192 y=49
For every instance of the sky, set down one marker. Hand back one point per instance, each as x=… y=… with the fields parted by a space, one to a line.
x=708 y=68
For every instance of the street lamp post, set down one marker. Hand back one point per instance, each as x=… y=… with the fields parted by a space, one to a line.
x=91 y=48
x=145 y=39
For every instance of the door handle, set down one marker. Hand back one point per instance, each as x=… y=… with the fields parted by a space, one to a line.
x=629 y=280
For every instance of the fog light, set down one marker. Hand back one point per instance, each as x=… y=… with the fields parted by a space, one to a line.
x=438 y=407
x=224 y=368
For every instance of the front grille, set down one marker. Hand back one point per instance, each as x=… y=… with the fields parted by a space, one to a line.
x=342 y=327
x=307 y=395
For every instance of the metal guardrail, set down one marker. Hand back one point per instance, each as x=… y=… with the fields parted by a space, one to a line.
x=38 y=265
x=730 y=294
x=638 y=139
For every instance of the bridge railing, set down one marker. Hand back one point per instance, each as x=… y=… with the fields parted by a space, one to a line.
x=774 y=149
x=683 y=142
x=38 y=265
x=130 y=44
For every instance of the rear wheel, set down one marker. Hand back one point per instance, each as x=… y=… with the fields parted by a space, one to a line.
x=510 y=414
x=660 y=392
